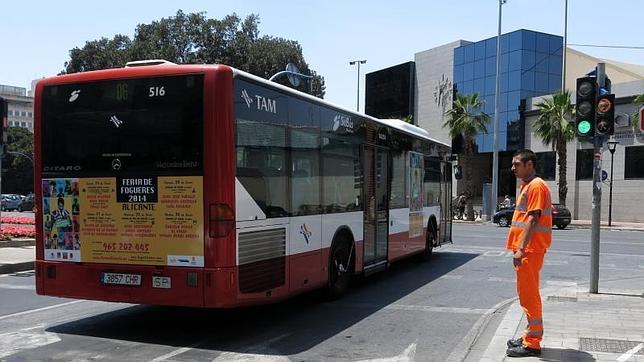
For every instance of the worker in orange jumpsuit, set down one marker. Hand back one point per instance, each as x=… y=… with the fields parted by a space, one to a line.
x=529 y=237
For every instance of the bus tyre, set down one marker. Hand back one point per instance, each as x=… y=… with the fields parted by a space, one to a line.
x=341 y=267
x=426 y=255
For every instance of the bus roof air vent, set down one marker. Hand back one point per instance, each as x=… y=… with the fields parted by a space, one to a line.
x=142 y=63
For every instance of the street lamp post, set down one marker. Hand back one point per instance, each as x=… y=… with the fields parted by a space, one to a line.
x=565 y=46
x=358 y=62
x=612 y=145
x=495 y=150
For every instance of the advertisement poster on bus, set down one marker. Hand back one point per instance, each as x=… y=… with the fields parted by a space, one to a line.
x=415 y=194
x=124 y=220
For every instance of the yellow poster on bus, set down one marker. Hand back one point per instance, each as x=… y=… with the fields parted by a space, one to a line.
x=125 y=220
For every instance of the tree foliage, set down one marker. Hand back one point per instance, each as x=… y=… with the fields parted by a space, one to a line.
x=17 y=164
x=195 y=39
x=555 y=128
x=466 y=119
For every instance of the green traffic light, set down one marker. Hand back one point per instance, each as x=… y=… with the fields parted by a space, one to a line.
x=583 y=127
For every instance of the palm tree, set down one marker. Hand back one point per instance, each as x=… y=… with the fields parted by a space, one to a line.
x=466 y=119
x=555 y=128
x=638 y=102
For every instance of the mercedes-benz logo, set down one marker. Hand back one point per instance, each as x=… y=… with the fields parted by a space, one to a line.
x=116 y=164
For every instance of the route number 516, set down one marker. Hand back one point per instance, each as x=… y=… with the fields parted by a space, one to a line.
x=156 y=92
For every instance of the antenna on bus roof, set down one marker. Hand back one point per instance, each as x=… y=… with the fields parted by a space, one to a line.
x=142 y=63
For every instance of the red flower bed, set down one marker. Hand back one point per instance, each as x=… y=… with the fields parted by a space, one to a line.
x=18 y=220
x=19 y=231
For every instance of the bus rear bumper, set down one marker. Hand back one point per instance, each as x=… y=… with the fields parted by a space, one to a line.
x=157 y=285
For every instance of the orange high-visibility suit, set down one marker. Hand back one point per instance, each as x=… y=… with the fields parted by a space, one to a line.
x=534 y=199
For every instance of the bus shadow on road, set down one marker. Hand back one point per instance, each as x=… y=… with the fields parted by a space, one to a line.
x=285 y=328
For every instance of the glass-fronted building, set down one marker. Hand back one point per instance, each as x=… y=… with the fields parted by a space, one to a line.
x=531 y=64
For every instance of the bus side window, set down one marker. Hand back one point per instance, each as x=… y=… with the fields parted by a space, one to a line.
x=254 y=183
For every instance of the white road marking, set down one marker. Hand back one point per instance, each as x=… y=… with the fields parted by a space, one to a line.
x=38 y=326
x=454 y=277
x=630 y=353
x=406 y=356
x=418 y=308
x=250 y=357
x=17 y=274
x=556 y=262
x=427 y=308
x=12 y=286
x=505 y=280
x=251 y=354
x=39 y=309
x=496 y=253
x=561 y=283
x=14 y=342
x=174 y=353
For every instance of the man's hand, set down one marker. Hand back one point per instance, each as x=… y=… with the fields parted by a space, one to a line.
x=516 y=258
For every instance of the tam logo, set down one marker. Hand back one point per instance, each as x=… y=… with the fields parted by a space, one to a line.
x=265 y=104
x=304 y=230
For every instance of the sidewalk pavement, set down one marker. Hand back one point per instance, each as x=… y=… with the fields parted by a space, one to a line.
x=17 y=255
x=579 y=326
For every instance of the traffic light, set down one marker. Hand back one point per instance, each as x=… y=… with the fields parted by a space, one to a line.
x=585 y=107
x=605 y=117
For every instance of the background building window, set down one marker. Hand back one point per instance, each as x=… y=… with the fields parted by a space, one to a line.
x=635 y=161
x=584 y=165
x=546 y=165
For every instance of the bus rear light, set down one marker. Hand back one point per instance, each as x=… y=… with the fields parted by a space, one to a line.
x=222 y=220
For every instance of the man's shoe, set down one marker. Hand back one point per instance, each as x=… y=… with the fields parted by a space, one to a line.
x=515 y=342
x=523 y=351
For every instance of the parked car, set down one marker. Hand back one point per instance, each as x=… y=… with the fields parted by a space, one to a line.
x=27 y=204
x=560 y=216
x=10 y=202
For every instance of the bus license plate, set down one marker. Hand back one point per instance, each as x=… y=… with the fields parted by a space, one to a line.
x=161 y=282
x=120 y=279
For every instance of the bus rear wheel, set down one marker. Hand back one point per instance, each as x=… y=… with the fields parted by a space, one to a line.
x=341 y=269
x=426 y=255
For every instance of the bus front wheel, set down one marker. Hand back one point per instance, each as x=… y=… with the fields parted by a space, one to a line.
x=341 y=268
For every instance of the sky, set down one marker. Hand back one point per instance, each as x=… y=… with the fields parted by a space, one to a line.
x=37 y=35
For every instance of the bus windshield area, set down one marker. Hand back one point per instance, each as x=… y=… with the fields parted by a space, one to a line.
x=133 y=125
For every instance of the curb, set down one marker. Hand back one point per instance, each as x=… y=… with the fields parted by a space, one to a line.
x=16 y=243
x=471 y=339
x=16 y=267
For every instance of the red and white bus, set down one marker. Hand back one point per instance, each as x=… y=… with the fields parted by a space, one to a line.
x=205 y=186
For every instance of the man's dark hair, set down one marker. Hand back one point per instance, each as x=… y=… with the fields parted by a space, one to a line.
x=526 y=155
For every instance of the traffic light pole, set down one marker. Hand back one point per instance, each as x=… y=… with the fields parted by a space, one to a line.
x=597 y=198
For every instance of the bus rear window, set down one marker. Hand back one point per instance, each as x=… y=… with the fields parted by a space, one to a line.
x=129 y=125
